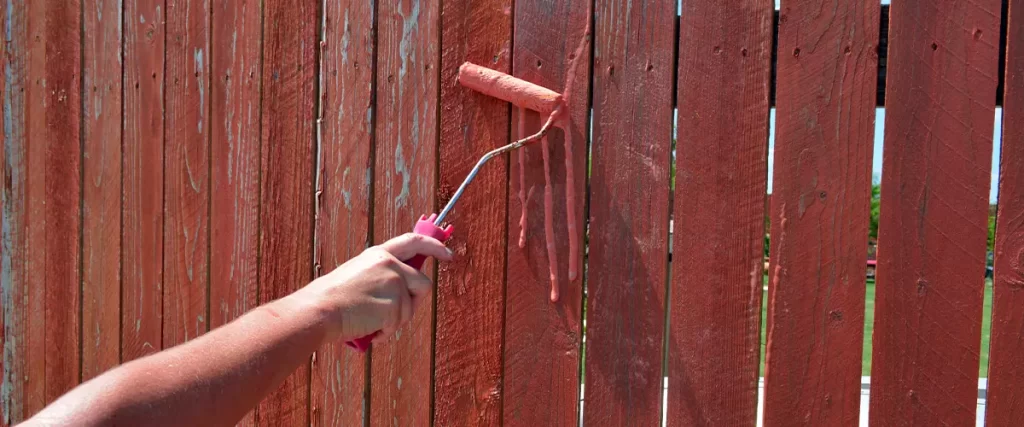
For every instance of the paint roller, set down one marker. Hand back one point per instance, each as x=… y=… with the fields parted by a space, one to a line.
x=499 y=85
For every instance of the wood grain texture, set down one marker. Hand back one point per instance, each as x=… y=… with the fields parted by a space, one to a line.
x=343 y=187
x=143 y=179
x=1005 y=398
x=714 y=345
x=406 y=166
x=542 y=339
x=629 y=207
x=13 y=280
x=52 y=201
x=187 y=163
x=821 y=201
x=470 y=289
x=287 y=163
x=101 y=212
x=932 y=230
x=235 y=78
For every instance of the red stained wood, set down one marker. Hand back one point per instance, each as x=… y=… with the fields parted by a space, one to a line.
x=101 y=220
x=407 y=155
x=186 y=147
x=13 y=280
x=234 y=161
x=52 y=201
x=143 y=178
x=406 y=166
x=343 y=188
x=932 y=231
x=470 y=289
x=542 y=339
x=629 y=196
x=287 y=162
x=821 y=200
x=1005 y=398
x=724 y=50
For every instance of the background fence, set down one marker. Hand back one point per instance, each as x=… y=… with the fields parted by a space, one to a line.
x=170 y=164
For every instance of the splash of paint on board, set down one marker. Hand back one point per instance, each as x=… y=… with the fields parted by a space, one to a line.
x=562 y=119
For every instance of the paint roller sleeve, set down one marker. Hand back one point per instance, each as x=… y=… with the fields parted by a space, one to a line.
x=507 y=88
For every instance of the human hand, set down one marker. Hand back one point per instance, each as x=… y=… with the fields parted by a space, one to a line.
x=376 y=290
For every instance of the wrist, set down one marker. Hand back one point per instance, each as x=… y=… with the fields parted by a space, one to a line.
x=313 y=311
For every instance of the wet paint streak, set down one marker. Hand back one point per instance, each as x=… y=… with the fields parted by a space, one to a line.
x=549 y=226
x=522 y=180
x=570 y=178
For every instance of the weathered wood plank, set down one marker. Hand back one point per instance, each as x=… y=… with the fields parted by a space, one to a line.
x=235 y=78
x=542 y=338
x=344 y=187
x=820 y=205
x=406 y=166
x=287 y=162
x=471 y=289
x=714 y=345
x=101 y=213
x=1005 y=399
x=932 y=230
x=12 y=200
x=52 y=200
x=143 y=179
x=629 y=196
x=187 y=163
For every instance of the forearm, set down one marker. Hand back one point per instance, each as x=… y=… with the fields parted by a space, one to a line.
x=213 y=380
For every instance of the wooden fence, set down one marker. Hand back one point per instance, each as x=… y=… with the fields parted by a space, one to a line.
x=170 y=164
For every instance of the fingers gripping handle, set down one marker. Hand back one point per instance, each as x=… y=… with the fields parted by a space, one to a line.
x=426 y=227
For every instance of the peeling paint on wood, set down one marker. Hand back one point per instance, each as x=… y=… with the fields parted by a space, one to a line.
x=286 y=188
x=234 y=161
x=406 y=139
x=186 y=147
x=345 y=146
x=12 y=199
x=142 y=197
x=52 y=220
x=101 y=213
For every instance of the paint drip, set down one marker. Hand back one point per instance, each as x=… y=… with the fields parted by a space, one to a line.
x=563 y=120
x=522 y=180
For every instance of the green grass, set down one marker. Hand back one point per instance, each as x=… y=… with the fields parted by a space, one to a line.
x=869 y=326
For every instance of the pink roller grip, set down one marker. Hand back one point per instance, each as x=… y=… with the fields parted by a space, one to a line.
x=426 y=227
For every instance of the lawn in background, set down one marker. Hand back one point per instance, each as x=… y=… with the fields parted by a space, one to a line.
x=869 y=326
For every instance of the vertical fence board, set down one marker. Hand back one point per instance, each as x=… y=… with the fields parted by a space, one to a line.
x=101 y=213
x=53 y=200
x=932 y=231
x=407 y=90
x=143 y=179
x=234 y=160
x=12 y=198
x=286 y=222
x=470 y=290
x=186 y=147
x=714 y=347
x=1005 y=399
x=629 y=207
x=827 y=78
x=344 y=182
x=542 y=338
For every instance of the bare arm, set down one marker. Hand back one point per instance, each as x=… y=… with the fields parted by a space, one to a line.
x=217 y=378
